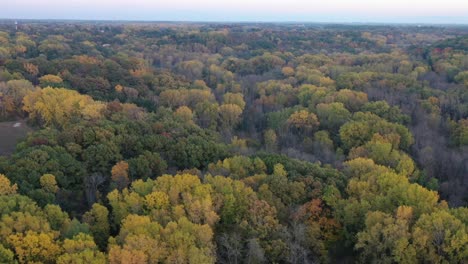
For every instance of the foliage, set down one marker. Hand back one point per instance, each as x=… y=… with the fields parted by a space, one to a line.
x=240 y=143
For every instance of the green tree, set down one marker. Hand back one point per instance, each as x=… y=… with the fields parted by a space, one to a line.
x=333 y=115
x=98 y=220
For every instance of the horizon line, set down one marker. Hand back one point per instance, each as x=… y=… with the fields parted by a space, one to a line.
x=242 y=21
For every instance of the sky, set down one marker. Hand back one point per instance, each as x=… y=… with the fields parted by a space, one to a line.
x=375 y=11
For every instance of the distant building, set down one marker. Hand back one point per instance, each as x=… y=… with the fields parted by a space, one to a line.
x=16 y=25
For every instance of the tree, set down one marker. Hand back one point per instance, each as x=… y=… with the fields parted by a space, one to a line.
x=166 y=199
x=48 y=183
x=255 y=253
x=374 y=187
x=237 y=167
x=384 y=110
x=270 y=140
x=118 y=255
x=440 y=237
x=182 y=241
x=5 y=186
x=197 y=247
x=332 y=116
x=58 y=107
x=287 y=71
x=191 y=69
x=234 y=98
x=98 y=220
x=385 y=152
x=54 y=46
x=6 y=255
x=262 y=224
x=354 y=134
x=311 y=95
x=207 y=114
x=462 y=77
x=387 y=238
x=7 y=107
x=50 y=80
x=4 y=54
x=17 y=90
x=35 y=247
x=324 y=147
x=81 y=249
x=303 y=122
x=321 y=230
x=99 y=157
x=31 y=69
x=459 y=132
x=264 y=63
x=33 y=162
x=120 y=174
x=147 y=165
x=185 y=114
x=229 y=116
x=232 y=197
x=58 y=219
x=173 y=98
x=351 y=99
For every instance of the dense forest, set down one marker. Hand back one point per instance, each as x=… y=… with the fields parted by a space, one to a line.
x=233 y=143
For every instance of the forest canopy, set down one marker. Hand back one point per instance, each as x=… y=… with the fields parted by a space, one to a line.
x=233 y=143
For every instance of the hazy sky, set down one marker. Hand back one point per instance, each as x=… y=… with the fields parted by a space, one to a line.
x=402 y=11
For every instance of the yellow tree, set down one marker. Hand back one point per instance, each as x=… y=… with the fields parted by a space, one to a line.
x=303 y=121
x=118 y=255
x=48 y=183
x=439 y=237
x=57 y=107
x=234 y=98
x=31 y=68
x=288 y=71
x=5 y=186
x=387 y=238
x=81 y=249
x=229 y=115
x=35 y=247
x=185 y=114
x=49 y=80
x=142 y=240
x=120 y=174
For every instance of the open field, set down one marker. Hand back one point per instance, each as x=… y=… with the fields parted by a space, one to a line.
x=10 y=133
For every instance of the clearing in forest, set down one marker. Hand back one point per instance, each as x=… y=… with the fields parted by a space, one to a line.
x=10 y=133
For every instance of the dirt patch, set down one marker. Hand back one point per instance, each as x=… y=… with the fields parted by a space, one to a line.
x=10 y=133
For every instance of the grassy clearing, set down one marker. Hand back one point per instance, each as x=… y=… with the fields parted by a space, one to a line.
x=10 y=133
